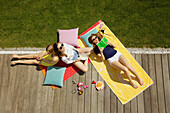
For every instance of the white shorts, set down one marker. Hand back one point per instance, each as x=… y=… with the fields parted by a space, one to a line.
x=114 y=58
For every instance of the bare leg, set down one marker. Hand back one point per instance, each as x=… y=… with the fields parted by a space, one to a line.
x=119 y=66
x=87 y=50
x=81 y=66
x=27 y=56
x=26 y=62
x=124 y=61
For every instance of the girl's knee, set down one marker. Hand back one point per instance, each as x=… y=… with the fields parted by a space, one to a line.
x=125 y=70
x=34 y=56
x=84 y=70
x=35 y=62
x=131 y=68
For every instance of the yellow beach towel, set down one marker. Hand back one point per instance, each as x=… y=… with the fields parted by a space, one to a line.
x=116 y=79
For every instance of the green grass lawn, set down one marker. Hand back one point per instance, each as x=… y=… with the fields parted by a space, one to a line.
x=34 y=23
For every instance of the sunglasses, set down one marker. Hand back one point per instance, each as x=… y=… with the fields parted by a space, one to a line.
x=61 y=46
x=94 y=38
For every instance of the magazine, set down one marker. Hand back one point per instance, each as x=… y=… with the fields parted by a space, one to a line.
x=102 y=43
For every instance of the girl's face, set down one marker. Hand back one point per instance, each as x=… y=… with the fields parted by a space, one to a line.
x=95 y=39
x=61 y=47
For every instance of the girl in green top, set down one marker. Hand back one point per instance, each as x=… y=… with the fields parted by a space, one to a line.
x=45 y=58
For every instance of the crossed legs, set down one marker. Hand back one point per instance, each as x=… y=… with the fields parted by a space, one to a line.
x=29 y=56
x=82 y=66
x=124 y=65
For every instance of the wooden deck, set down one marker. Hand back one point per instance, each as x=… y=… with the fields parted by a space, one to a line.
x=21 y=90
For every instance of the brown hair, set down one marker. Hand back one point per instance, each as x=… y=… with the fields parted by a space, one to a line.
x=56 y=50
x=50 y=49
x=98 y=35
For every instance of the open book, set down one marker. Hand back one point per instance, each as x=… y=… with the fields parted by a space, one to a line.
x=102 y=43
x=83 y=56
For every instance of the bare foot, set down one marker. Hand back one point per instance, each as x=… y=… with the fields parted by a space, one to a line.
x=15 y=56
x=13 y=62
x=133 y=85
x=140 y=81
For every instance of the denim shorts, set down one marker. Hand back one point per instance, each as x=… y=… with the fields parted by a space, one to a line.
x=76 y=55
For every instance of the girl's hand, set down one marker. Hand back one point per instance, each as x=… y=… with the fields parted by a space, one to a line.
x=109 y=43
x=101 y=49
x=78 y=59
x=39 y=58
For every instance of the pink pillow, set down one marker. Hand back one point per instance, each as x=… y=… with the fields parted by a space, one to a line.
x=69 y=36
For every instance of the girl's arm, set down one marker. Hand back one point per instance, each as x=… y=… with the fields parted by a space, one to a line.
x=109 y=43
x=40 y=57
x=100 y=55
x=84 y=50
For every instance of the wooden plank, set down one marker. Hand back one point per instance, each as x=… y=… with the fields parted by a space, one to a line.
x=100 y=98
x=93 y=92
x=153 y=89
x=87 y=92
x=16 y=87
x=69 y=94
x=56 y=104
x=166 y=80
x=40 y=79
x=50 y=100
x=33 y=87
x=133 y=102
x=1 y=79
x=81 y=97
x=22 y=93
x=27 y=88
x=133 y=105
x=44 y=98
x=120 y=107
x=147 y=97
x=75 y=95
x=4 y=85
x=127 y=108
x=140 y=99
x=107 y=98
x=169 y=64
x=63 y=98
x=28 y=77
x=161 y=101
x=18 y=97
x=113 y=102
x=11 y=88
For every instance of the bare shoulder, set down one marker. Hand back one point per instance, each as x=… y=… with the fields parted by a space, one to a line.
x=56 y=58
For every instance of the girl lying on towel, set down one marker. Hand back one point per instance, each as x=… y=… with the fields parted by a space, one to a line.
x=115 y=58
x=69 y=54
x=46 y=58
